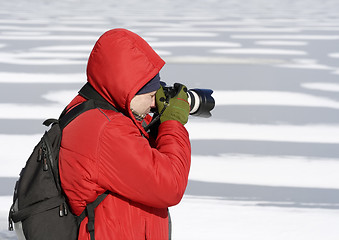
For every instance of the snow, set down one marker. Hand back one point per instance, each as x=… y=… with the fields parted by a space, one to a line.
x=219 y=220
x=322 y=86
x=273 y=98
x=231 y=29
x=262 y=132
x=8 y=77
x=194 y=44
x=255 y=170
x=334 y=55
x=49 y=37
x=19 y=59
x=181 y=34
x=30 y=111
x=281 y=43
x=267 y=51
x=289 y=37
x=306 y=64
x=15 y=160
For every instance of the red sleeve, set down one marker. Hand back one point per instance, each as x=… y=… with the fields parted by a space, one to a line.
x=129 y=166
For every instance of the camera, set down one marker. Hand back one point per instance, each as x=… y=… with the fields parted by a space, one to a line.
x=200 y=100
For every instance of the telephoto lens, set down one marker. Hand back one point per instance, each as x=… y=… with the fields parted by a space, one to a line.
x=201 y=102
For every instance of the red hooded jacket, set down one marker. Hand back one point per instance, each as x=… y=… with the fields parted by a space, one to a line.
x=107 y=150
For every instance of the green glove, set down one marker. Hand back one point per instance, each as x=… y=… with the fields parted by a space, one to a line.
x=173 y=108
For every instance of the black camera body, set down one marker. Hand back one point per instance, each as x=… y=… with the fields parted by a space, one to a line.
x=200 y=100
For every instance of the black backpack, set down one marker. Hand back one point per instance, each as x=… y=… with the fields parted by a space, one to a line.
x=40 y=210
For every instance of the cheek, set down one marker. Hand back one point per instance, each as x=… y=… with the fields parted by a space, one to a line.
x=144 y=105
x=147 y=102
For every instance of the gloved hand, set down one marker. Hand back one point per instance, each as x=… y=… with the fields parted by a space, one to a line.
x=173 y=108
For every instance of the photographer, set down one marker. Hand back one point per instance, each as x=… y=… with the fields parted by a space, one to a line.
x=110 y=150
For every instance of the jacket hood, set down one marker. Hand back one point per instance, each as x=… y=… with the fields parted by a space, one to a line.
x=120 y=64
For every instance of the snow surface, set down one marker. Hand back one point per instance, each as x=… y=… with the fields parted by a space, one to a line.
x=265 y=166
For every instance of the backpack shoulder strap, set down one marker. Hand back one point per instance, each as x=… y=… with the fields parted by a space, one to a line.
x=88 y=92
x=94 y=100
x=89 y=212
x=67 y=117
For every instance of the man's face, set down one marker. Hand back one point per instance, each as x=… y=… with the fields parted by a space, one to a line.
x=143 y=103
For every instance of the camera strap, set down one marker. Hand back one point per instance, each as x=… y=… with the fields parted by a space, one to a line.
x=156 y=118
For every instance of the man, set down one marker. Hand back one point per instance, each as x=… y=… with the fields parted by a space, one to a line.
x=107 y=150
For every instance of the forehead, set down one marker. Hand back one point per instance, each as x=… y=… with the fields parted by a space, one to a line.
x=148 y=94
x=145 y=96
